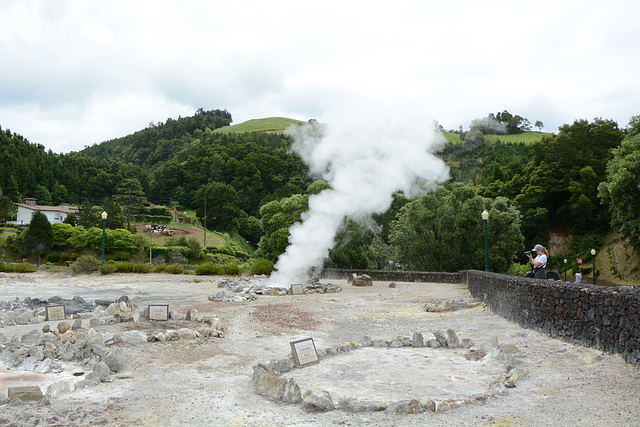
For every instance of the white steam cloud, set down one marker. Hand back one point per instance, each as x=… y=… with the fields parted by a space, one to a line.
x=365 y=165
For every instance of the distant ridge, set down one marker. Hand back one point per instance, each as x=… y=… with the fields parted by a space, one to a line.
x=268 y=125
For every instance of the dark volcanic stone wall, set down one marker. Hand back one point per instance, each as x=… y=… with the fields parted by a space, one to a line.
x=394 y=275
x=607 y=318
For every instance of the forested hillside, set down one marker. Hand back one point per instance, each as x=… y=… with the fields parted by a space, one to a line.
x=578 y=182
x=159 y=142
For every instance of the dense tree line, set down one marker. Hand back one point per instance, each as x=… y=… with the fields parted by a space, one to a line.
x=582 y=181
x=28 y=170
x=159 y=142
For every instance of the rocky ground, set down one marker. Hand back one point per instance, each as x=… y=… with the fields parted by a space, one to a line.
x=207 y=379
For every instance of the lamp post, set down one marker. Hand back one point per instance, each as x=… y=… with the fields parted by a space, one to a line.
x=565 y=269
x=485 y=218
x=593 y=255
x=104 y=220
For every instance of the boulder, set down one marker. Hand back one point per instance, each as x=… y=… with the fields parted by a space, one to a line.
x=134 y=337
x=26 y=393
x=317 y=400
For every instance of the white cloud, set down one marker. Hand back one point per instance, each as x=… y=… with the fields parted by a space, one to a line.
x=76 y=73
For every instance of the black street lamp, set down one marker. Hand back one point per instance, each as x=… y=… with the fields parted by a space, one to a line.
x=485 y=218
x=104 y=220
x=565 y=269
x=593 y=254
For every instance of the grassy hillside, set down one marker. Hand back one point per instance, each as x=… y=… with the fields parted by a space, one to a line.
x=270 y=125
x=526 y=137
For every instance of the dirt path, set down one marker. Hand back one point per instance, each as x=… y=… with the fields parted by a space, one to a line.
x=208 y=381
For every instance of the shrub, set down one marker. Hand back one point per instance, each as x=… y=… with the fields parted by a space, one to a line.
x=53 y=257
x=121 y=255
x=85 y=264
x=230 y=269
x=174 y=269
x=108 y=268
x=160 y=268
x=24 y=267
x=208 y=269
x=134 y=267
x=176 y=257
x=262 y=266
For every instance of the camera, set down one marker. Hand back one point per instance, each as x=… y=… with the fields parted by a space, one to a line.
x=527 y=253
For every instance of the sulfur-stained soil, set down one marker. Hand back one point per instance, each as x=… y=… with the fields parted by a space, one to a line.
x=207 y=381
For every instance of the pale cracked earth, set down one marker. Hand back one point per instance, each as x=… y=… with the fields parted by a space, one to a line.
x=208 y=381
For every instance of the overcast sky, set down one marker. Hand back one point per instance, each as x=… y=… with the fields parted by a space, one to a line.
x=75 y=73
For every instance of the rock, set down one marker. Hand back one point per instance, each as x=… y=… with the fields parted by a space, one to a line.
x=32 y=337
x=50 y=351
x=26 y=393
x=392 y=285
x=113 y=309
x=68 y=336
x=100 y=371
x=186 y=334
x=45 y=329
x=57 y=389
x=63 y=327
x=364 y=280
x=317 y=400
x=24 y=318
x=354 y=404
x=417 y=340
x=452 y=339
x=441 y=338
x=439 y=306
x=134 y=337
x=77 y=324
x=292 y=392
x=412 y=406
x=429 y=405
x=434 y=343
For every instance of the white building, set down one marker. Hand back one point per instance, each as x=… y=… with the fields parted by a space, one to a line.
x=55 y=214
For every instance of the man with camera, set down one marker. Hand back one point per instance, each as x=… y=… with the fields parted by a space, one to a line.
x=538 y=263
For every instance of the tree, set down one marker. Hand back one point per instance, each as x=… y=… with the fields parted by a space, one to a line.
x=222 y=210
x=444 y=231
x=38 y=237
x=539 y=125
x=277 y=217
x=87 y=216
x=621 y=191
x=130 y=195
x=6 y=207
x=354 y=248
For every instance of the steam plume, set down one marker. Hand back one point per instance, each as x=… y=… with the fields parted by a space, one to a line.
x=364 y=165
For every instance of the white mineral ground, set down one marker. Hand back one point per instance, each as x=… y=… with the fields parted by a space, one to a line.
x=208 y=381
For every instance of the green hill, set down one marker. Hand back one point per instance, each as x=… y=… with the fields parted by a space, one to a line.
x=269 y=125
x=524 y=137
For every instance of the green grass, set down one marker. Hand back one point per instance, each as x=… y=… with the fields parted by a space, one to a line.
x=270 y=124
x=525 y=137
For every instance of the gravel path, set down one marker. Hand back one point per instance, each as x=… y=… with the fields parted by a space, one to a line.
x=208 y=381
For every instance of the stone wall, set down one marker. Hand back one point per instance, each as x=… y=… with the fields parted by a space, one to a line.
x=394 y=275
x=607 y=318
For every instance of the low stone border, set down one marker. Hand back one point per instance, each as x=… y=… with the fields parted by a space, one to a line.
x=269 y=383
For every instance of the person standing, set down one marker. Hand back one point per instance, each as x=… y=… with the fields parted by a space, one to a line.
x=578 y=277
x=540 y=261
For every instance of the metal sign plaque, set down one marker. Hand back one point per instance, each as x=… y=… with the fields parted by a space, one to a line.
x=159 y=312
x=56 y=312
x=304 y=352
